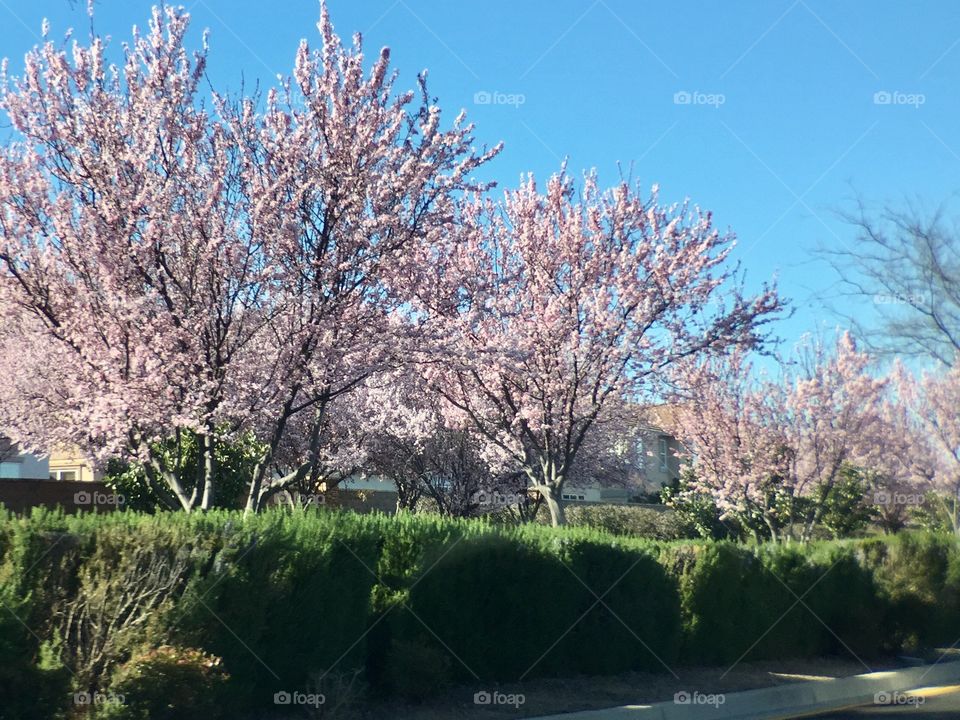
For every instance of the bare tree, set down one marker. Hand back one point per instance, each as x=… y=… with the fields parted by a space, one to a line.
x=906 y=261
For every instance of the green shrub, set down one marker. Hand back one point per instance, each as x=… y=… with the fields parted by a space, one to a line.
x=166 y=683
x=33 y=683
x=497 y=605
x=407 y=605
x=846 y=607
x=919 y=575
x=730 y=602
x=628 y=610
x=655 y=523
x=294 y=586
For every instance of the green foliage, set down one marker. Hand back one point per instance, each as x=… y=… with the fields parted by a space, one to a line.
x=696 y=513
x=498 y=605
x=774 y=601
x=290 y=599
x=845 y=508
x=33 y=683
x=299 y=586
x=166 y=683
x=935 y=514
x=655 y=523
x=919 y=575
x=529 y=604
x=234 y=462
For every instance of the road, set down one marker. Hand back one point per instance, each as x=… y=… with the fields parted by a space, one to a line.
x=931 y=704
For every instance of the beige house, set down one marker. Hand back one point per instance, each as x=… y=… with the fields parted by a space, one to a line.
x=64 y=464
x=657 y=462
x=70 y=464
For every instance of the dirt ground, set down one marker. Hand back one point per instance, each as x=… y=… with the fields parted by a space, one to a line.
x=549 y=696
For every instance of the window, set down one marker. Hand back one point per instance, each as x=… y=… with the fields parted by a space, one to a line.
x=67 y=475
x=662 y=453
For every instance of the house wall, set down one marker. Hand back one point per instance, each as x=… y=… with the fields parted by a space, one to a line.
x=658 y=473
x=71 y=465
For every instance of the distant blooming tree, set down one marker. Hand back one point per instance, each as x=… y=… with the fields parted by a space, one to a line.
x=411 y=444
x=934 y=400
x=552 y=306
x=835 y=399
x=776 y=448
x=174 y=271
x=732 y=432
x=900 y=466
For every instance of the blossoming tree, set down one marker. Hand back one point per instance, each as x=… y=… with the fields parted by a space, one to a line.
x=170 y=269
x=761 y=444
x=933 y=400
x=551 y=307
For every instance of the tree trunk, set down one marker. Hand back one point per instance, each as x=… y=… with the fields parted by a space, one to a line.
x=554 y=503
x=208 y=490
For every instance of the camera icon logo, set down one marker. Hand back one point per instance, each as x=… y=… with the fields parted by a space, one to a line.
x=882 y=97
x=682 y=97
x=482 y=97
x=82 y=497
x=282 y=698
x=681 y=698
x=482 y=698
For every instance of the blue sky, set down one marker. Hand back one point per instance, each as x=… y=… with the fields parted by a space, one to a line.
x=765 y=111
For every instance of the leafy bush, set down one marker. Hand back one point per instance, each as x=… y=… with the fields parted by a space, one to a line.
x=919 y=577
x=33 y=683
x=721 y=625
x=696 y=513
x=507 y=606
x=407 y=604
x=775 y=601
x=234 y=462
x=496 y=604
x=628 y=611
x=655 y=523
x=166 y=683
x=295 y=586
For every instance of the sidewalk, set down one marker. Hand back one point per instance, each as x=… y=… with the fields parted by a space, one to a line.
x=783 y=702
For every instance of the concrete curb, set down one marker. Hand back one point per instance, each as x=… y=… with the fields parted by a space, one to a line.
x=785 y=701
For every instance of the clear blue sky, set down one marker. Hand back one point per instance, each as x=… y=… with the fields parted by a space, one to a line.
x=781 y=129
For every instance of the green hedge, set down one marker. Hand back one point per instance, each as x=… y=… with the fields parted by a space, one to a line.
x=289 y=601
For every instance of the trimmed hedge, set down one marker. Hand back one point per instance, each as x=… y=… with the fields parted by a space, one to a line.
x=286 y=602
